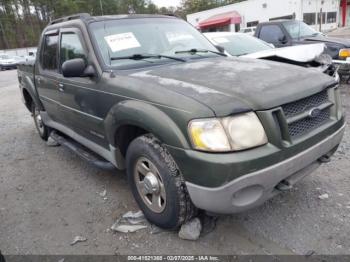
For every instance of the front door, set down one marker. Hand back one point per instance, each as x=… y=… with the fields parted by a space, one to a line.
x=79 y=95
x=46 y=75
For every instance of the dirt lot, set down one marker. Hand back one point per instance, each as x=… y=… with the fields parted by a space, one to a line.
x=48 y=196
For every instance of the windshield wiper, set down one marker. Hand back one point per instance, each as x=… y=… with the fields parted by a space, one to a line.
x=194 y=51
x=145 y=56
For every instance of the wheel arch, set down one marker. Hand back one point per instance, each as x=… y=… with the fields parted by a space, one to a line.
x=28 y=100
x=30 y=93
x=130 y=119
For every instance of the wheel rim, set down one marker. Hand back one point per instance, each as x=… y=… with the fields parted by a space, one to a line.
x=38 y=122
x=150 y=185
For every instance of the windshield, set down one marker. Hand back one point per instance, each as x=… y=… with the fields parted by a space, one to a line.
x=297 y=29
x=152 y=36
x=238 y=45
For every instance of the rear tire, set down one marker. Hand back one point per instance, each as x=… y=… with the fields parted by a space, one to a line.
x=157 y=184
x=41 y=128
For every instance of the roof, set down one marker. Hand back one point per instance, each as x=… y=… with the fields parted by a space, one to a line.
x=221 y=19
x=129 y=16
x=87 y=17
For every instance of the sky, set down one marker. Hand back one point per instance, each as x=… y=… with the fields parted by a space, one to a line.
x=166 y=3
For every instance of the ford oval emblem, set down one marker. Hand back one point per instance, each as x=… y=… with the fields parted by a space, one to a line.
x=314 y=112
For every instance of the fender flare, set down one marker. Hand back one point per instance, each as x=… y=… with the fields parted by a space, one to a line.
x=145 y=116
x=28 y=85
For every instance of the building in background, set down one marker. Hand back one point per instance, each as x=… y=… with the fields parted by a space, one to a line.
x=320 y=14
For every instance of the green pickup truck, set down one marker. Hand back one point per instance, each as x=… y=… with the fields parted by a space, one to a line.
x=193 y=128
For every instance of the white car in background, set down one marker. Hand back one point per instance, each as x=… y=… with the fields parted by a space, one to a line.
x=7 y=62
x=243 y=45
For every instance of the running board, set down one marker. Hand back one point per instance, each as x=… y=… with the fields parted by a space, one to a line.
x=82 y=151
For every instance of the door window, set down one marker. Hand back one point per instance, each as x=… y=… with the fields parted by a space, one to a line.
x=71 y=47
x=49 y=55
x=271 y=33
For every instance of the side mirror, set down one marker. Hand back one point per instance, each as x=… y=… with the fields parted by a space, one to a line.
x=220 y=48
x=77 y=68
x=283 y=39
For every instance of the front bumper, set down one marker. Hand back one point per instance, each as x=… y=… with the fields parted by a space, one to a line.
x=253 y=189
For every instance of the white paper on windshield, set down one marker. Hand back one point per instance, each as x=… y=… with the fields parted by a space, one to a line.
x=122 y=41
x=221 y=40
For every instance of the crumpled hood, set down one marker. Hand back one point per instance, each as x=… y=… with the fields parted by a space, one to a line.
x=231 y=85
x=298 y=53
x=8 y=61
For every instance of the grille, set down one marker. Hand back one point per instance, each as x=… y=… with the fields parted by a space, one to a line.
x=304 y=104
x=304 y=125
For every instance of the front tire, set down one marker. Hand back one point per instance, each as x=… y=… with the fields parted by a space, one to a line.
x=157 y=184
x=41 y=128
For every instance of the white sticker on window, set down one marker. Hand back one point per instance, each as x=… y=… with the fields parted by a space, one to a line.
x=122 y=41
x=221 y=40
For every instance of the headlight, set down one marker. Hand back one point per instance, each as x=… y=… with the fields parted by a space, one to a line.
x=227 y=134
x=208 y=135
x=245 y=131
x=344 y=53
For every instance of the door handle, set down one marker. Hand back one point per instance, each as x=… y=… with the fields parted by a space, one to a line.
x=39 y=80
x=61 y=87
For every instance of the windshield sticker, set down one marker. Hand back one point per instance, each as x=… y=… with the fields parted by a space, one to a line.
x=178 y=36
x=122 y=41
x=221 y=40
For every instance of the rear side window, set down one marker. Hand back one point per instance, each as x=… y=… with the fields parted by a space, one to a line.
x=271 y=33
x=49 y=56
x=71 y=47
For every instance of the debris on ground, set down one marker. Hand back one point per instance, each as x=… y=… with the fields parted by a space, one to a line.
x=130 y=222
x=19 y=188
x=78 y=239
x=127 y=228
x=134 y=218
x=51 y=142
x=103 y=193
x=156 y=230
x=191 y=230
x=310 y=253
x=323 y=196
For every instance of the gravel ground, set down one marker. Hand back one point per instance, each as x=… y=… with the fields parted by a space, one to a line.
x=48 y=196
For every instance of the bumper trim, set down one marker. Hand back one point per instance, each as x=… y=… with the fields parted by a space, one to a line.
x=255 y=188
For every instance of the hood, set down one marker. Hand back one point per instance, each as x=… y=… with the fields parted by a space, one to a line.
x=328 y=39
x=7 y=61
x=231 y=85
x=300 y=53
